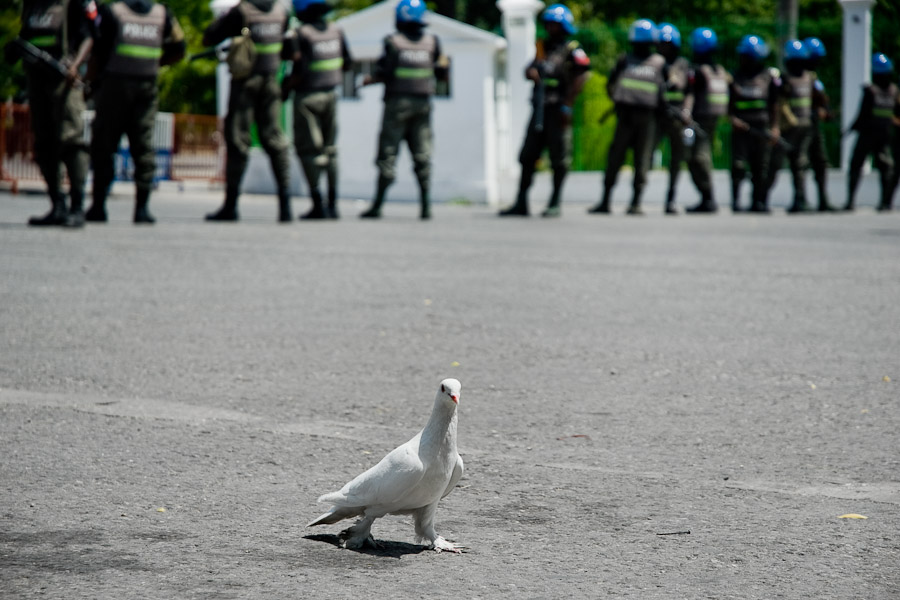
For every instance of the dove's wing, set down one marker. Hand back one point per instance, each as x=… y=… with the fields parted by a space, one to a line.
x=385 y=483
x=458 y=471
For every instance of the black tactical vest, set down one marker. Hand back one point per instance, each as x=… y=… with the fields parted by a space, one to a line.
x=639 y=82
x=267 y=33
x=885 y=101
x=322 y=58
x=414 y=71
x=713 y=102
x=797 y=92
x=42 y=25
x=677 y=82
x=751 y=97
x=139 y=39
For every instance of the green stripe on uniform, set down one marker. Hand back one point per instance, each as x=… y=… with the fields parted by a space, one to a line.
x=883 y=113
x=331 y=64
x=136 y=51
x=273 y=48
x=717 y=98
x=637 y=84
x=406 y=73
x=750 y=104
x=44 y=41
x=674 y=96
x=801 y=102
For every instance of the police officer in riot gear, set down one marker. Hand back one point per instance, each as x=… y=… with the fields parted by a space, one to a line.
x=673 y=121
x=707 y=102
x=135 y=38
x=254 y=97
x=559 y=71
x=821 y=111
x=795 y=117
x=408 y=67
x=63 y=30
x=320 y=56
x=878 y=113
x=752 y=107
x=637 y=87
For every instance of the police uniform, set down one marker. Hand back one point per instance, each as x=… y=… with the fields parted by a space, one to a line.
x=795 y=118
x=818 y=155
x=323 y=58
x=753 y=97
x=637 y=86
x=671 y=125
x=256 y=97
x=135 y=37
x=559 y=63
x=874 y=124
x=62 y=29
x=707 y=102
x=408 y=66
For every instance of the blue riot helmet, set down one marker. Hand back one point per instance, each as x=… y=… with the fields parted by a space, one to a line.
x=643 y=31
x=301 y=5
x=411 y=11
x=815 y=46
x=704 y=40
x=881 y=64
x=558 y=13
x=795 y=50
x=753 y=46
x=669 y=33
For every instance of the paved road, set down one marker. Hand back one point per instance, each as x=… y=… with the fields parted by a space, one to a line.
x=174 y=398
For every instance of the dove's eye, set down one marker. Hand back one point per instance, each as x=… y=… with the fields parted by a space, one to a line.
x=443 y=389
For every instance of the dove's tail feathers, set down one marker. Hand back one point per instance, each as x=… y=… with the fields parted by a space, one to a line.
x=337 y=513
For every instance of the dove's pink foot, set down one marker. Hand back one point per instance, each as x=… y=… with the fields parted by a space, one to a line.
x=442 y=545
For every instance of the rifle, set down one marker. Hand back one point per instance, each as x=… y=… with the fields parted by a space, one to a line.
x=217 y=52
x=766 y=134
x=677 y=114
x=36 y=57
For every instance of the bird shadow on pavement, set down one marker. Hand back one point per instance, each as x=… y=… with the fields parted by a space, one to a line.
x=386 y=549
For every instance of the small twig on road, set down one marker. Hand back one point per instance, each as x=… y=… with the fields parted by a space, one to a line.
x=675 y=533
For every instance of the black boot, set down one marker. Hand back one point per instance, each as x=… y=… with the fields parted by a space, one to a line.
x=519 y=209
x=670 y=203
x=553 y=206
x=374 y=211
x=424 y=203
x=331 y=211
x=706 y=205
x=284 y=206
x=76 y=217
x=635 y=207
x=228 y=211
x=57 y=214
x=141 y=214
x=602 y=207
x=318 y=209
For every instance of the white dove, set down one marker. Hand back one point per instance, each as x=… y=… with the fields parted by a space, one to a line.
x=410 y=480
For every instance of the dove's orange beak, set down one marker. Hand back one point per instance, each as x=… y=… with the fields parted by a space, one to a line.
x=455 y=398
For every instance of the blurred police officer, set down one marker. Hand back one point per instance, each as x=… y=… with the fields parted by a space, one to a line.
x=752 y=107
x=559 y=70
x=878 y=112
x=254 y=96
x=674 y=119
x=637 y=86
x=795 y=122
x=821 y=112
x=63 y=29
x=321 y=55
x=409 y=64
x=135 y=38
x=707 y=102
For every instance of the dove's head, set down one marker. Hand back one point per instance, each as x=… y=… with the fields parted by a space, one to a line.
x=450 y=390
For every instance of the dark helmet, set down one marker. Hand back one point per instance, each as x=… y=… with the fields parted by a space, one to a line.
x=669 y=33
x=704 y=40
x=753 y=46
x=643 y=31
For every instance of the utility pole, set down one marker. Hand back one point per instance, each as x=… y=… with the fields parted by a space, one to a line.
x=785 y=25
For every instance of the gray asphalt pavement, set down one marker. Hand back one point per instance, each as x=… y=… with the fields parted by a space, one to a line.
x=651 y=407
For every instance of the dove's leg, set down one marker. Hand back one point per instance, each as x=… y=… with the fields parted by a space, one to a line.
x=424 y=522
x=358 y=535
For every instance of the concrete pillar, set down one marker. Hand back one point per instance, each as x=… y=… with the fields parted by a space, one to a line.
x=857 y=67
x=520 y=30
